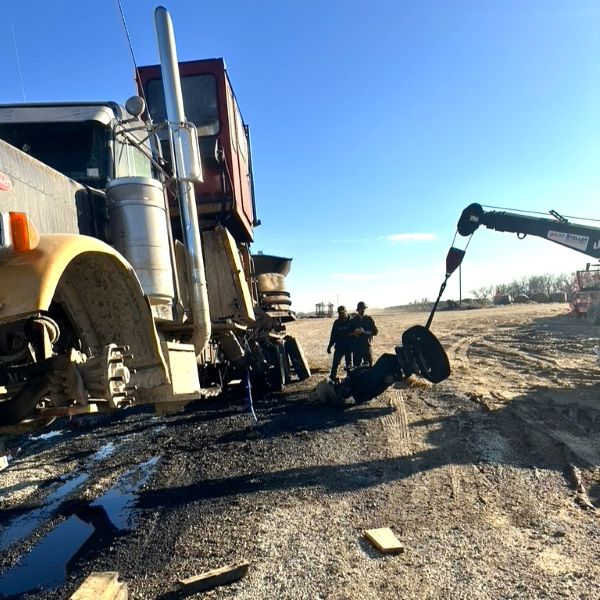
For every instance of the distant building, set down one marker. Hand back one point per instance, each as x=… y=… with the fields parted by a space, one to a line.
x=324 y=309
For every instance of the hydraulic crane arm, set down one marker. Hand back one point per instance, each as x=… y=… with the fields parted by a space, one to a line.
x=582 y=238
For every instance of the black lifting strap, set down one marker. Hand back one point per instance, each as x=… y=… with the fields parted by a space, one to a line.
x=442 y=288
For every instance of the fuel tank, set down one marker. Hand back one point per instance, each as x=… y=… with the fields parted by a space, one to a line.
x=139 y=231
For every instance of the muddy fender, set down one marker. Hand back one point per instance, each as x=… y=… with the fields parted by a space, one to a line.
x=97 y=288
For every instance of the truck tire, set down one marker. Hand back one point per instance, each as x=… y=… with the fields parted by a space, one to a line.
x=297 y=358
x=276 y=376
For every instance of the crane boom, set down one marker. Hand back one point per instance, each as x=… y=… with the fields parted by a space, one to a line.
x=583 y=238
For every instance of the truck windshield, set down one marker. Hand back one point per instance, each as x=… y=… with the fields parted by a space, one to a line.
x=199 y=99
x=130 y=160
x=77 y=150
x=589 y=280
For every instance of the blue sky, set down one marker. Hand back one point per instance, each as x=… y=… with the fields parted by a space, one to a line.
x=374 y=123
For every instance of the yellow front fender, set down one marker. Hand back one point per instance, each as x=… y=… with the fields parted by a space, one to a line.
x=28 y=280
x=95 y=286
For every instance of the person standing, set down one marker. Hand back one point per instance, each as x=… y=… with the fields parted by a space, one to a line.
x=340 y=338
x=363 y=329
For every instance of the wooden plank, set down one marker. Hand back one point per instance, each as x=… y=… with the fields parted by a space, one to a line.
x=68 y=411
x=214 y=578
x=122 y=593
x=384 y=540
x=100 y=586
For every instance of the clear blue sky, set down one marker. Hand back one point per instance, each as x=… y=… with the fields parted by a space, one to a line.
x=371 y=121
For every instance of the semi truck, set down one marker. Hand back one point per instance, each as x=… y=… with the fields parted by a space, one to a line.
x=126 y=270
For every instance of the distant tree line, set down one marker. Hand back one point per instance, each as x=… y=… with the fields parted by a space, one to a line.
x=546 y=284
x=533 y=284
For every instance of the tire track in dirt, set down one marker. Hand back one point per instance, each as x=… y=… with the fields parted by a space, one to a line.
x=521 y=353
x=395 y=426
x=475 y=359
x=468 y=363
x=458 y=353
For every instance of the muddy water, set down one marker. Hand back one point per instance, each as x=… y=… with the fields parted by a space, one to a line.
x=90 y=527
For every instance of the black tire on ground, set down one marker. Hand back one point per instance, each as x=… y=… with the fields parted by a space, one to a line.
x=297 y=358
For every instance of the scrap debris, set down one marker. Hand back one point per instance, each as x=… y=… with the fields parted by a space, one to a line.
x=384 y=540
x=102 y=586
x=581 y=495
x=481 y=400
x=213 y=578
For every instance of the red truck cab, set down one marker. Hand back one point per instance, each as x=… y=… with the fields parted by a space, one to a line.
x=226 y=195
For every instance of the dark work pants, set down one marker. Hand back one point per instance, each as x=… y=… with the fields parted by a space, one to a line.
x=337 y=359
x=362 y=355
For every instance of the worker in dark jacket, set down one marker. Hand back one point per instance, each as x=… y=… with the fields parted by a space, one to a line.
x=363 y=329
x=340 y=338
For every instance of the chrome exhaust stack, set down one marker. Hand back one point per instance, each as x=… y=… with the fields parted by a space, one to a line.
x=184 y=146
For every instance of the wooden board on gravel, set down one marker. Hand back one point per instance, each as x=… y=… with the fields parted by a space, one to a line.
x=214 y=578
x=101 y=586
x=384 y=540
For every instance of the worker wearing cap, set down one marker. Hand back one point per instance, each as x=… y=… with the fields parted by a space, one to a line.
x=340 y=338
x=363 y=329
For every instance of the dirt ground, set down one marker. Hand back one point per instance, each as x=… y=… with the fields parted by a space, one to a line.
x=489 y=479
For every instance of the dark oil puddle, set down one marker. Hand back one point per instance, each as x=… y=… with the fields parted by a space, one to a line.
x=44 y=566
x=118 y=502
x=25 y=525
x=91 y=527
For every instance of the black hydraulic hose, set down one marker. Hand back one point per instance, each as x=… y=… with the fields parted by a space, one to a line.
x=23 y=403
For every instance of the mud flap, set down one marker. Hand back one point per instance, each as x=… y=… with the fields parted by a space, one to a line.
x=297 y=358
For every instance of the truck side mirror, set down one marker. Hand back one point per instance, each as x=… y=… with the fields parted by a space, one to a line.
x=187 y=153
x=453 y=260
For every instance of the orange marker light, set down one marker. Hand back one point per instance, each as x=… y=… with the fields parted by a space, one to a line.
x=25 y=236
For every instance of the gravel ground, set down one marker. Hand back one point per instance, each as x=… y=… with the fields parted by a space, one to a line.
x=476 y=476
